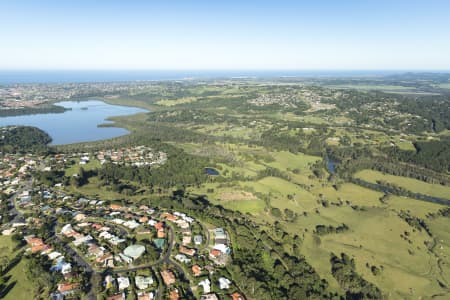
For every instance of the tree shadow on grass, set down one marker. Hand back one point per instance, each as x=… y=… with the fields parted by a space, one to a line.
x=4 y=290
x=20 y=244
x=11 y=265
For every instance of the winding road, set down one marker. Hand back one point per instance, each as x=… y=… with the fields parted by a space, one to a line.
x=79 y=260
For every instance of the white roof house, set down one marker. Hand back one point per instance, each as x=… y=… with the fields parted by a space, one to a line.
x=224 y=283
x=66 y=268
x=66 y=229
x=219 y=233
x=206 y=284
x=198 y=239
x=83 y=239
x=125 y=258
x=116 y=241
x=53 y=255
x=134 y=251
x=131 y=224
x=182 y=258
x=222 y=248
x=143 y=282
x=123 y=282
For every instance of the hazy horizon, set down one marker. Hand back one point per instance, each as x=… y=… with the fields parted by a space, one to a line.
x=8 y=77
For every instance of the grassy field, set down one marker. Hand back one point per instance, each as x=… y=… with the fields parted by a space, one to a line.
x=371 y=87
x=91 y=165
x=245 y=206
x=416 y=207
x=444 y=85
x=286 y=160
x=349 y=192
x=272 y=189
x=169 y=103
x=374 y=238
x=292 y=117
x=7 y=246
x=278 y=189
x=406 y=145
x=222 y=130
x=409 y=269
x=439 y=227
x=217 y=195
x=413 y=185
x=22 y=286
x=128 y=102
x=93 y=190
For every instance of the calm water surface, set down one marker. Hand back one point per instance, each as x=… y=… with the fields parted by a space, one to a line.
x=80 y=124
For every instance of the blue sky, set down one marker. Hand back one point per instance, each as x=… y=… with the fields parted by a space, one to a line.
x=257 y=35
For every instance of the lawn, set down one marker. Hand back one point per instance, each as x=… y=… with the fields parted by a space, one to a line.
x=286 y=160
x=410 y=184
x=217 y=195
x=278 y=189
x=93 y=190
x=356 y=194
x=22 y=286
x=91 y=165
x=245 y=206
x=7 y=245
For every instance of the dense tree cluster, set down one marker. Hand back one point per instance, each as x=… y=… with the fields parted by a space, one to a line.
x=324 y=229
x=395 y=162
x=434 y=155
x=356 y=287
x=260 y=265
x=23 y=139
x=47 y=109
x=180 y=169
x=414 y=221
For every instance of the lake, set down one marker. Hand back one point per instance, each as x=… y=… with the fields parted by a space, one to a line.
x=331 y=165
x=79 y=123
x=212 y=172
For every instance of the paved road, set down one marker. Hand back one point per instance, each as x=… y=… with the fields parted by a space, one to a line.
x=78 y=259
x=208 y=237
x=164 y=259
x=17 y=215
x=160 y=290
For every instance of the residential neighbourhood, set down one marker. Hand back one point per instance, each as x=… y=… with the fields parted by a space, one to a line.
x=34 y=95
x=136 y=251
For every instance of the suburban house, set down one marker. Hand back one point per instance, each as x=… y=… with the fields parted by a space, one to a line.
x=187 y=251
x=168 y=277
x=196 y=270
x=143 y=282
x=206 y=284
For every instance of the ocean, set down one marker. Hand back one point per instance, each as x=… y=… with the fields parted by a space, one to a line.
x=8 y=77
